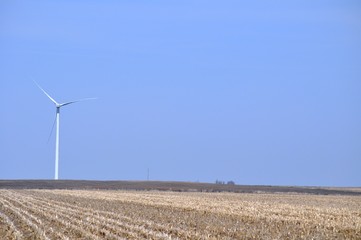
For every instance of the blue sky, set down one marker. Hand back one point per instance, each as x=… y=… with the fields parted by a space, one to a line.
x=258 y=92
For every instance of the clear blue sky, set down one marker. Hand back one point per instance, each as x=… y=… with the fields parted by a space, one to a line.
x=258 y=92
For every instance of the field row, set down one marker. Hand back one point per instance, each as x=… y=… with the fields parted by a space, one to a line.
x=80 y=214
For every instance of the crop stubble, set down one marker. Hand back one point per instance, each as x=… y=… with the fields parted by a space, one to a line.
x=83 y=214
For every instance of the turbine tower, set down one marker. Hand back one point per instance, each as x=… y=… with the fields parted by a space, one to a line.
x=58 y=106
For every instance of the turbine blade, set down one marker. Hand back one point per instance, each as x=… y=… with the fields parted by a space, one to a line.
x=80 y=100
x=52 y=128
x=46 y=93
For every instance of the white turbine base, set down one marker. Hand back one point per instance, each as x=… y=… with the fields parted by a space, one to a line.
x=57 y=144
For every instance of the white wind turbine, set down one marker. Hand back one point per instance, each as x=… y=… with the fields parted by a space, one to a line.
x=58 y=106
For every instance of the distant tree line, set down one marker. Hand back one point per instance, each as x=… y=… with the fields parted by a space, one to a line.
x=223 y=182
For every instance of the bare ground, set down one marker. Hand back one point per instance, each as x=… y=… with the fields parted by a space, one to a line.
x=172 y=186
x=129 y=214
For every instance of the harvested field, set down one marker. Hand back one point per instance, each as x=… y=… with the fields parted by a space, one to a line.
x=171 y=186
x=100 y=214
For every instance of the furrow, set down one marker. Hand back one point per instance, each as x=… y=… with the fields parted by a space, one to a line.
x=90 y=223
x=161 y=229
x=28 y=218
x=16 y=233
x=54 y=218
x=95 y=218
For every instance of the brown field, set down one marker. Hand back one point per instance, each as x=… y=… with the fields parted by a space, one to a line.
x=171 y=186
x=126 y=214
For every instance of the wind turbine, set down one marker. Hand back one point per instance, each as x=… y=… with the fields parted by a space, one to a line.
x=58 y=106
